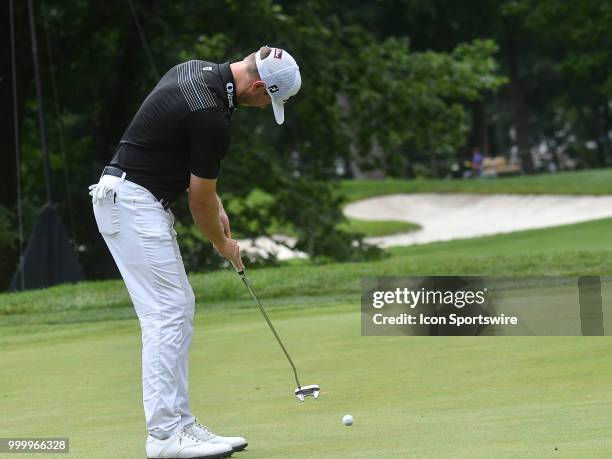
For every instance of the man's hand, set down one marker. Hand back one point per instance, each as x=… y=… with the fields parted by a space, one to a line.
x=230 y=250
x=233 y=250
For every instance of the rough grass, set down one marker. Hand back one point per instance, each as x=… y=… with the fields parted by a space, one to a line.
x=590 y=182
x=363 y=227
x=566 y=250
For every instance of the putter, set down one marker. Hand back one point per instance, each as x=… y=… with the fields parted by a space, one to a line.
x=302 y=391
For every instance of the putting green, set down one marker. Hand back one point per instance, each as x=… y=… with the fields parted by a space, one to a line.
x=411 y=397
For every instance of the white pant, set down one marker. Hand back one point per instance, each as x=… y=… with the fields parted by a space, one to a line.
x=141 y=238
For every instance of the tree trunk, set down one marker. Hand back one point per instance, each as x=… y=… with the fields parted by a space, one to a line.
x=375 y=161
x=520 y=113
x=606 y=126
x=600 y=136
x=434 y=166
x=480 y=127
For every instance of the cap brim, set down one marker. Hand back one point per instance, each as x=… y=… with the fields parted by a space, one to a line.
x=279 y=111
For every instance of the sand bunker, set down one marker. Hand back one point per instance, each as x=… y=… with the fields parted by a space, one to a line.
x=461 y=215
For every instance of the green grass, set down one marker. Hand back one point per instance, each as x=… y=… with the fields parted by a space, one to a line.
x=596 y=182
x=411 y=397
x=582 y=248
x=71 y=363
x=366 y=228
x=588 y=236
x=378 y=228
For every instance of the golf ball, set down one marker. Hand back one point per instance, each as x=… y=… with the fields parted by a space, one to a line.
x=347 y=420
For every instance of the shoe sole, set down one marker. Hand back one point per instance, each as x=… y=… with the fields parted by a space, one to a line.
x=208 y=456
x=240 y=448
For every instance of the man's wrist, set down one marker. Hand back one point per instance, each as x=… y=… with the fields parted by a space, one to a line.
x=219 y=243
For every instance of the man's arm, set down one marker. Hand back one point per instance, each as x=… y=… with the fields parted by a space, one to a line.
x=205 y=206
x=224 y=219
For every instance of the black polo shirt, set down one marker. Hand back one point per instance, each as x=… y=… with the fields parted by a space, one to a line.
x=183 y=127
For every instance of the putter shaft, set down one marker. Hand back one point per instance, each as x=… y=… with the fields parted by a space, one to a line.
x=248 y=285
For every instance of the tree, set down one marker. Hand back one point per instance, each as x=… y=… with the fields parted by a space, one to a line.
x=577 y=34
x=414 y=101
x=408 y=102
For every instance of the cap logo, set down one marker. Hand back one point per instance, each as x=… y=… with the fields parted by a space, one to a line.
x=278 y=53
x=273 y=88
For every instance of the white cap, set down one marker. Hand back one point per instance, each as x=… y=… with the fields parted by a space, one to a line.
x=281 y=74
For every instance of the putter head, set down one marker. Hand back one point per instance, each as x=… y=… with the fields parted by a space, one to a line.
x=307 y=391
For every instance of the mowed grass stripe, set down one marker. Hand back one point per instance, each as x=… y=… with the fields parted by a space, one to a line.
x=588 y=236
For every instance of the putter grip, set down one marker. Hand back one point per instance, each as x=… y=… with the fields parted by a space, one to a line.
x=240 y=272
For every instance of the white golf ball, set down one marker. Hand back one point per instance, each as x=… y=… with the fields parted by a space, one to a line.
x=347 y=420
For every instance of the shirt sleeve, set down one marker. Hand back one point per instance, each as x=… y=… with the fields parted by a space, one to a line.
x=209 y=134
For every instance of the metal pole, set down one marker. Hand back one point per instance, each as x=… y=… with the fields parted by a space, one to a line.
x=143 y=40
x=41 y=118
x=17 y=148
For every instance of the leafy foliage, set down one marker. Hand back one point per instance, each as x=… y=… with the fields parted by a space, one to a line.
x=361 y=92
x=413 y=101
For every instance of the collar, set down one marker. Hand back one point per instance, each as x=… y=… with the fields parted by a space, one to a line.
x=229 y=86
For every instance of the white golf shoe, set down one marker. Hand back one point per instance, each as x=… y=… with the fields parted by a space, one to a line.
x=203 y=433
x=184 y=445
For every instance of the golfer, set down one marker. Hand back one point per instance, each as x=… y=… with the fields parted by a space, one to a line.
x=176 y=142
